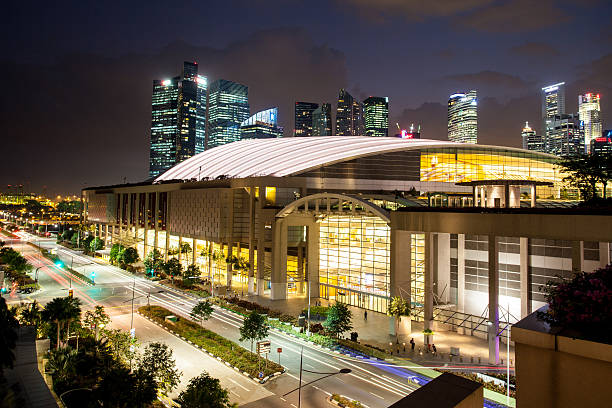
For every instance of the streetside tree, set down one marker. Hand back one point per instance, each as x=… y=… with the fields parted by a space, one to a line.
x=62 y=311
x=338 y=319
x=190 y=273
x=95 y=320
x=254 y=328
x=8 y=336
x=154 y=261
x=96 y=245
x=201 y=311
x=204 y=391
x=173 y=268
x=157 y=361
x=398 y=307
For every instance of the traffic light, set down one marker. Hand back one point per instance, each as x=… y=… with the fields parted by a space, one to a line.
x=70 y=293
x=59 y=264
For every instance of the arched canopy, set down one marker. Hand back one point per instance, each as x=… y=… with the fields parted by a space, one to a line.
x=323 y=201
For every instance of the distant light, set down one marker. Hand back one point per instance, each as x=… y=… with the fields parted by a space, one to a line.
x=166 y=82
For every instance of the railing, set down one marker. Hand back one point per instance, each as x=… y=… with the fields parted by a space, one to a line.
x=456 y=319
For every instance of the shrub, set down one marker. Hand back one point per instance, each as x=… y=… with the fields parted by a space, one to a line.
x=317 y=328
x=345 y=402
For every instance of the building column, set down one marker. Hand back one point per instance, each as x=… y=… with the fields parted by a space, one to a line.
x=279 y=261
x=524 y=277
x=300 y=268
x=430 y=255
x=483 y=199
x=493 y=324
x=442 y=268
x=604 y=254
x=251 y=281
x=399 y=277
x=194 y=251
x=475 y=194
x=533 y=195
x=460 y=278
x=228 y=269
x=312 y=258
x=577 y=256
x=507 y=196
x=261 y=244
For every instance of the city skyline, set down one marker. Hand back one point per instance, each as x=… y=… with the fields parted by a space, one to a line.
x=296 y=56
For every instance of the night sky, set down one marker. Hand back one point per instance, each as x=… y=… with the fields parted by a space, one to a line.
x=76 y=88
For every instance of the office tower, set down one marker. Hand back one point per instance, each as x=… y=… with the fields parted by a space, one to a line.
x=602 y=145
x=262 y=125
x=376 y=116
x=565 y=135
x=553 y=103
x=228 y=107
x=349 y=115
x=463 y=117
x=531 y=140
x=589 y=113
x=322 y=120
x=303 y=118
x=178 y=125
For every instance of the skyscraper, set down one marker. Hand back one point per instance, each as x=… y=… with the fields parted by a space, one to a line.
x=565 y=135
x=553 y=103
x=262 y=125
x=589 y=113
x=531 y=141
x=463 y=117
x=349 y=115
x=322 y=120
x=303 y=118
x=228 y=107
x=178 y=125
x=376 y=116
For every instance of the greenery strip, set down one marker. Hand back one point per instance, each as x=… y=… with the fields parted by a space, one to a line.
x=213 y=343
x=78 y=275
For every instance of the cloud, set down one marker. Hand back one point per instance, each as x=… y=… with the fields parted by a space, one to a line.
x=511 y=16
x=489 y=83
x=535 y=50
x=86 y=119
x=380 y=10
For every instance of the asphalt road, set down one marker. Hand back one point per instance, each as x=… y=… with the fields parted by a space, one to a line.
x=374 y=384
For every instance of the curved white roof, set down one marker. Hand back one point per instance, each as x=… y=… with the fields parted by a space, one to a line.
x=287 y=156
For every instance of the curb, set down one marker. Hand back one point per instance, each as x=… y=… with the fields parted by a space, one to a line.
x=202 y=349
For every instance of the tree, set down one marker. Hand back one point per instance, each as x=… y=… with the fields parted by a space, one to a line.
x=190 y=274
x=96 y=319
x=115 y=253
x=86 y=243
x=120 y=344
x=128 y=256
x=62 y=311
x=398 y=308
x=204 y=391
x=173 y=267
x=96 y=245
x=338 y=319
x=67 y=235
x=74 y=240
x=121 y=388
x=201 y=311
x=31 y=314
x=8 y=336
x=584 y=172
x=154 y=261
x=253 y=328
x=158 y=362
x=186 y=248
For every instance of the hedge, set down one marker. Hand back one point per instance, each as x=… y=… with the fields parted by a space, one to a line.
x=221 y=347
x=363 y=348
x=345 y=402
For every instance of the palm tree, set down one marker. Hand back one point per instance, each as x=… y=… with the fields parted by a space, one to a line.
x=60 y=311
x=30 y=315
x=73 y=309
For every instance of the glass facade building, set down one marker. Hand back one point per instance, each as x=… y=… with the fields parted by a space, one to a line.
x=322 y=120
x=589 y=114
x=565 y=135
x=376 y=116
x=553 y=104
x=262 y=125
x=303 y=118
x=463 y=117
x=228 y=107
x=349 y=115
x=178 y=125
x=531 y=140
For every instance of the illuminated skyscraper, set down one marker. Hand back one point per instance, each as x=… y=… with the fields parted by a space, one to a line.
x=303 y=118
x=553 y=103
x=463 y=117
x=376 y=116
x=589 y=113
x=322 y=120
x=565 y=135
x=178 y=125
x=228 y=107
x=349 y=115
x=531 y=141
x=262 y=125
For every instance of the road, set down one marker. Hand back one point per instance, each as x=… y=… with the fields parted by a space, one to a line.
x=373 y=383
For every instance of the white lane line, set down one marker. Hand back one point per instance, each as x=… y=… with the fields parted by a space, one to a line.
x=377 y=385
x=294 y=406
x=323 y=391
x=370 y=373
x=238 y=395
x=283 y=399
x=376 y=395
x=240 y=385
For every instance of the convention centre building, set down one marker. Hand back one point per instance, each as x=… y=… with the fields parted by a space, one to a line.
x=468 y=233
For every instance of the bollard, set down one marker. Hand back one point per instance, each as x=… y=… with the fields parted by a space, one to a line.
x=479 y=362
x=501 y=361
x=450 y=357
x=472 y=359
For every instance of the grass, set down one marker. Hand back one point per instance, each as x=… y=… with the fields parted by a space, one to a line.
x=221 y=347
x=345 y=402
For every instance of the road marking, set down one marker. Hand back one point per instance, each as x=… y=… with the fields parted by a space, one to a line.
x=377 y=385
x=293 y=405
x=376 y=395
x=283 y=399
x=323 y=391
x=241 y=386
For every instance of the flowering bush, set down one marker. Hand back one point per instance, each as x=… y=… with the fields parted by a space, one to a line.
x=583 y=303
